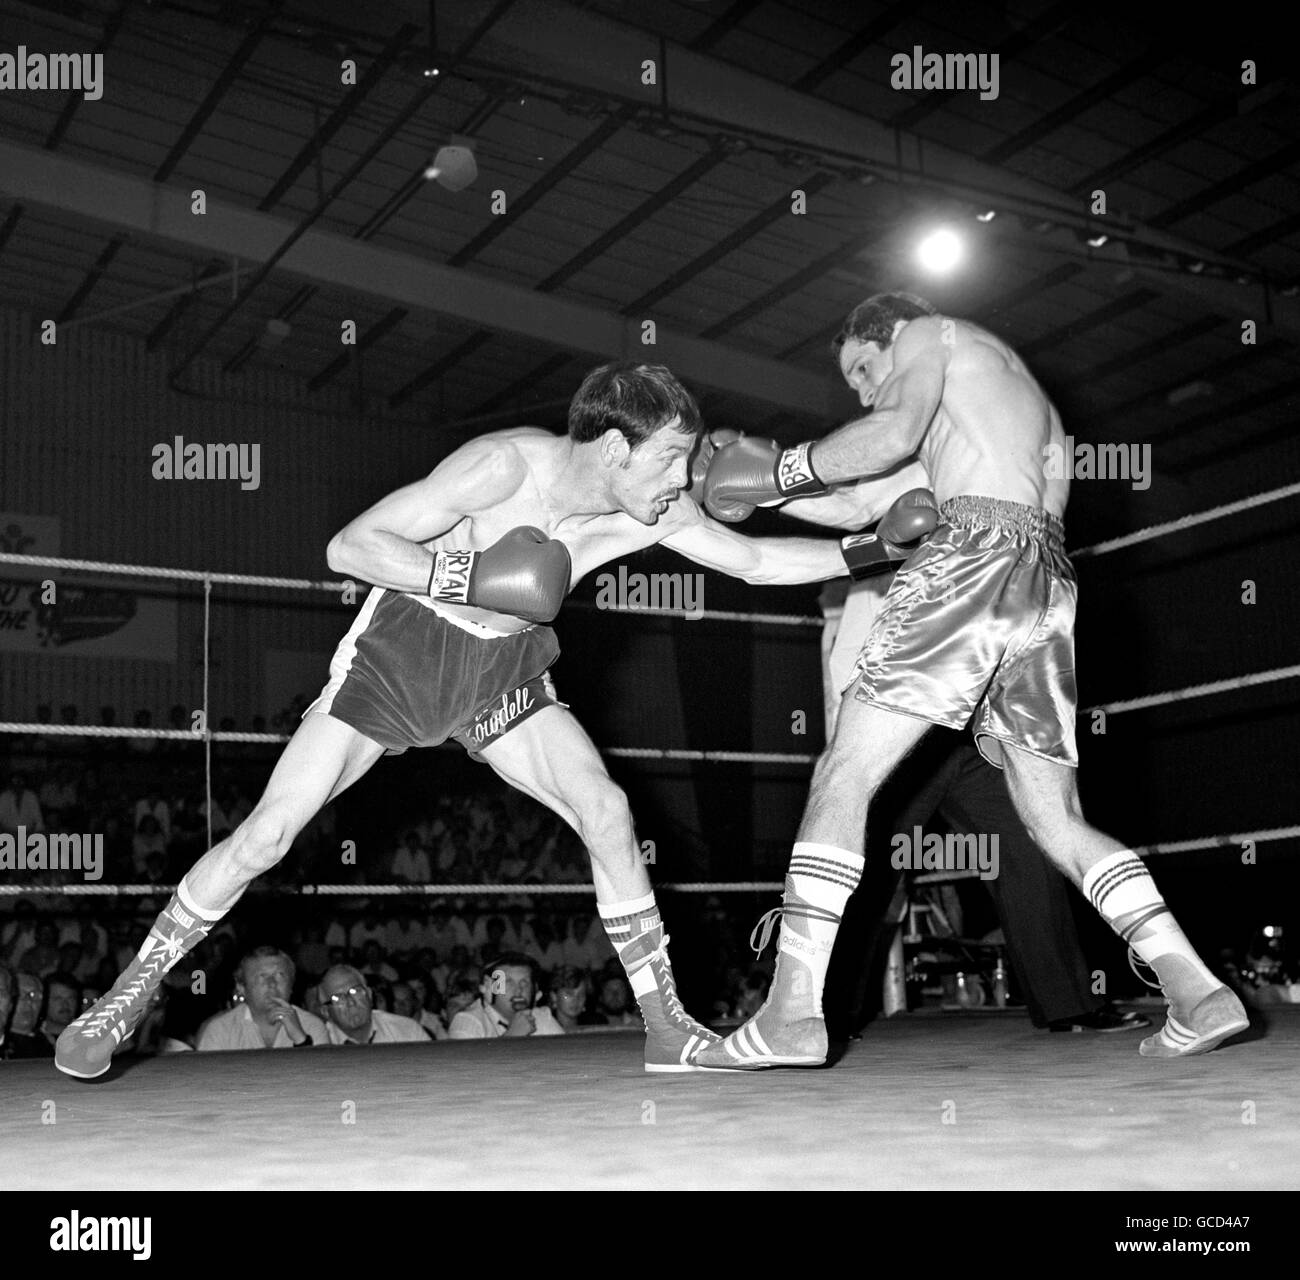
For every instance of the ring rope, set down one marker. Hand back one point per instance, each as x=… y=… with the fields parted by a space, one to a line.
x=309 y=584
x=1187 y=694
x=525 y=890
x=1186 y=522
x=382 y=890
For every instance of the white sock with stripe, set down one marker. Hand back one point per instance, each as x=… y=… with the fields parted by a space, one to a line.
x=1125 y=895
x=817 y=887
x=636 y=931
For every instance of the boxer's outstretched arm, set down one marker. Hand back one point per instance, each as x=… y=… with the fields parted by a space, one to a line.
x=771 y=562
x=904 y=407
x=860 y=502
x=382 y=545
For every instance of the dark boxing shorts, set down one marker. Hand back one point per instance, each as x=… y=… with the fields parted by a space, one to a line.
x=980 y=622
x=406 y=676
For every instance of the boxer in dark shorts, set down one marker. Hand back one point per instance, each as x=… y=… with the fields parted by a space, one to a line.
x=468 y=564
x=407 y=675
x=979 y=624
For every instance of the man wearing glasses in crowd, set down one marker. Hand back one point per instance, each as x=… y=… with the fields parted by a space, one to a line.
x=350 y=1015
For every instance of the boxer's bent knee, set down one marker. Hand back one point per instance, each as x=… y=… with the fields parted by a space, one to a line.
x=260 y=841
x=604 y=818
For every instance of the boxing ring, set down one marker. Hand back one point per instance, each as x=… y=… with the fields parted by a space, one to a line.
x=924 y=1101
x=964 y=1102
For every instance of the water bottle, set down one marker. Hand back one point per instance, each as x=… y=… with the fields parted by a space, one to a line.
x=1000 y=984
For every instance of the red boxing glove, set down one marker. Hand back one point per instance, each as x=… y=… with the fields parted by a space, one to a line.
x=525 y=574
x=911 y=518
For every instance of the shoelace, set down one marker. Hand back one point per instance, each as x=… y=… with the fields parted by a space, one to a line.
x=767 y=923
x=1133 y=961
x=672 y=1002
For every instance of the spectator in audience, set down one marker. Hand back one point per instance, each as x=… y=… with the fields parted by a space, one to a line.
x=189 y=828
x=423 y=995
x=403 y=935
x=615 y=1002
x=457 y=963
x=19 y=933
x=506 y=1005
x=153 y=805
x=19 y=807
x=445 y=932
x=84 y=930
x=351 y=1017
x=410 y=862
x=544 y=948
x=264 y=1019
x=71 y=959
x=489 y=935
x=62 y=1004
x=367 y=929
x=462 y=993
x=42 y=957
x=117 y=847
x=568 y=998
x=154 y=1035
x=148 y=840
x=8 y=994
x=407 y=1004
x=313 y=954
x=58 y=800
x=519 y=930
x=147 y=746
x=374 y=964
x=22 y=1039
x=576 y=946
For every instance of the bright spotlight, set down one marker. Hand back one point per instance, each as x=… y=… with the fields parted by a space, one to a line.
x=940 y=251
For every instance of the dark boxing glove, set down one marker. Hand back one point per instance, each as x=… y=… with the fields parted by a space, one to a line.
x=710 y=442
x=910 y=519
x=525 y=574
x=754 y=472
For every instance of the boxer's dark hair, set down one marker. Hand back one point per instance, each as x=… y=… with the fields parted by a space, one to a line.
x=635 y=399
x=874 y=320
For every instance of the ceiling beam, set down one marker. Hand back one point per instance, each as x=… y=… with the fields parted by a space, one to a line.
x=592 y=53
x=136 y=206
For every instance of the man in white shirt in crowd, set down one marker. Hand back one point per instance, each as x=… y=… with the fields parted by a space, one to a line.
x=411 y=862
x=506 y=1004
x=265 y=1019
x=19 y=808
x=353 y=1019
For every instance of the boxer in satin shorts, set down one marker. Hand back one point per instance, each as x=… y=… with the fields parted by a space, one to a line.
x=980 y=623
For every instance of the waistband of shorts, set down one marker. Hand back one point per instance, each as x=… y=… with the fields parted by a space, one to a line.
x=971 y=511
x=465 y=624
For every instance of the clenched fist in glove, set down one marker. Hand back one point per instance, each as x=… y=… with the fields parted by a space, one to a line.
x=754 y=472
x=710 y=442
x=525 y=574
x=911 y=519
